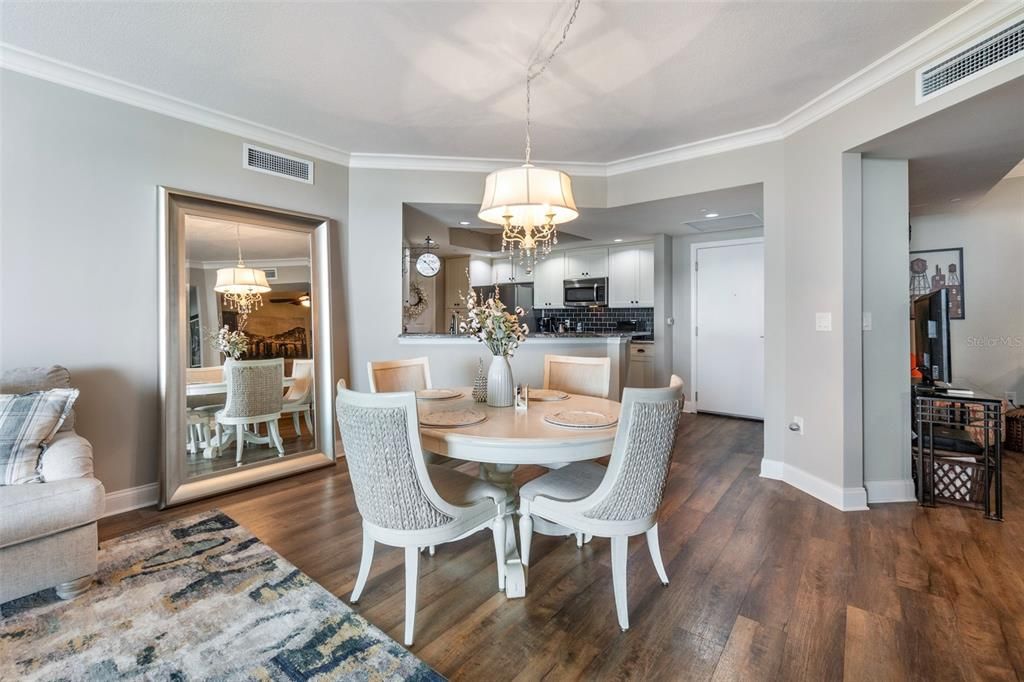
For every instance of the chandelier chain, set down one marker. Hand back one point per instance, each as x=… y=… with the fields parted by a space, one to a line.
x=539 y=66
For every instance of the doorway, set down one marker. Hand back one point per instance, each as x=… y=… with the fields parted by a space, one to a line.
x=727 y=331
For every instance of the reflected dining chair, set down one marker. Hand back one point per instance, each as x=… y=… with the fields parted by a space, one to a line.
x=403 y=501
x=582 y=376
x=254 y=396
x=299 y=397
x=392 y=376
x=619 y=501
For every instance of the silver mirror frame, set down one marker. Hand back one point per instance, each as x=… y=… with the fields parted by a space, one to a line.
x=174 y=205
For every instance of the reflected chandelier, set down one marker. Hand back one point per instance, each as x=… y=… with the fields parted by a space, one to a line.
x=529 y=202
x=242 y=287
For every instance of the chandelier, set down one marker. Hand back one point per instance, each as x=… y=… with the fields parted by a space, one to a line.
x=242 y=287
x=529 y=202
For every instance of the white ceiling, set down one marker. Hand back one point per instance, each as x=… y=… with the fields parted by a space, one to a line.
x=633 y=222
x=208 y=240
x=445 y=78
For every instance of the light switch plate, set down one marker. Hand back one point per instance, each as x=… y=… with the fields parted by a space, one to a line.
x=866 y=323
x=823 y=322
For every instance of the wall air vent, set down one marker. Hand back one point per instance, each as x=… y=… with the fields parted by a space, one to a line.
x=275 y=163
x=727 y=222
x=271 y=273
x=994 y=49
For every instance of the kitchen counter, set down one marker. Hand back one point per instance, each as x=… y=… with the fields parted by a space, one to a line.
x=532 y=339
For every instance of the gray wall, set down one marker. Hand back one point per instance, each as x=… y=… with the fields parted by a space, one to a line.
x=988 y=344
x=886 y=359
x=78 y=269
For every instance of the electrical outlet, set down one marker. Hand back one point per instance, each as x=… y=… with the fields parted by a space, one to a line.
x=1012 y=396
x=797 y=425
x=823 y=322
x=866 y=322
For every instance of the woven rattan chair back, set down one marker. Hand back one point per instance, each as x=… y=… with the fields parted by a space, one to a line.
x=255 y=388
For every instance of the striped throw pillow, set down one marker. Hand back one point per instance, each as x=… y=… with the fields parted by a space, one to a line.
x=27 y=424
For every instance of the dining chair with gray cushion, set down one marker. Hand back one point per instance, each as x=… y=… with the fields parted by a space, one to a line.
x=255 y=396
x=403 y=501
x=621 y=500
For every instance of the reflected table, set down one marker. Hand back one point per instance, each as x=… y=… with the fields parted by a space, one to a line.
x=200 y=388
x=508 y=439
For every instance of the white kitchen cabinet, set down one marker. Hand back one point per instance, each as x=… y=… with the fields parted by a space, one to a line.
x=641 y=366
x=456 y=285
x=506 y=270
x=631 y=276
x=586 y=263
x=480 y=274
x=549 y=276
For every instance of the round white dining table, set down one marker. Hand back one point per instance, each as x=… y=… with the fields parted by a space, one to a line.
x=509 y=438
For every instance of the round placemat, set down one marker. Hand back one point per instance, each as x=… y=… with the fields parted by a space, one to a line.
x=581 y=419
x=438 y=394
x=452 y=418
x=547 y=394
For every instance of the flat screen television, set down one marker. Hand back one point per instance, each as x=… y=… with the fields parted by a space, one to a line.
x=931 y=337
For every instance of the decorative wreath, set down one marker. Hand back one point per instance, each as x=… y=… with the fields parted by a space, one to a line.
x=418 y=304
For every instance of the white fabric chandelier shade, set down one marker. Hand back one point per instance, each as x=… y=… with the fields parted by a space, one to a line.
x=528 y=195
x=241 y=280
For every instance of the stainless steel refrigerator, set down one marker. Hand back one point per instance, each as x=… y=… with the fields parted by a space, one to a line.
x=512 y=295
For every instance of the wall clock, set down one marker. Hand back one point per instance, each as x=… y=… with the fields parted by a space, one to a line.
x=428 y=264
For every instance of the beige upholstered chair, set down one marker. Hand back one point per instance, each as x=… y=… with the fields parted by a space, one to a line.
x=299 y=397
x=48 y=531
x=392 y=376
x=255 y=392
x=582 y=376
x=617 y=502
x=403 y=501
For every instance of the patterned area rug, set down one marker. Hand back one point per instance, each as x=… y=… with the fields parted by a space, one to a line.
x=197 y=599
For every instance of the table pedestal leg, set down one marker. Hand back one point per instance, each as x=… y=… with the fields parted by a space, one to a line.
x=502 y=475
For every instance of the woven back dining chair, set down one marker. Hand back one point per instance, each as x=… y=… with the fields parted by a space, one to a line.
x=579 y=375
x=392 y=376
x=399 y=496
x=620 y=501
x=254 y=396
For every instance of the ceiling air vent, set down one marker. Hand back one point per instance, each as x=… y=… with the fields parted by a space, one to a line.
x=996 y=48
x=727 y=222
x=275 y=163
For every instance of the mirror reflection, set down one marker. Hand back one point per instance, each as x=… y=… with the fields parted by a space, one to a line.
x=249 y=376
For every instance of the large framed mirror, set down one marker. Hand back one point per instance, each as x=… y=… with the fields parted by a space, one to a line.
x=245 y=344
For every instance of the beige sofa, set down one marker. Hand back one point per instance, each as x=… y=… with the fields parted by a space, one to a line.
x=48 y=530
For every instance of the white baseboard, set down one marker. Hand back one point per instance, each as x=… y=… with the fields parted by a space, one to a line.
x=899 y=490
x=843 y=499
x=128 y=499
x=690 y=407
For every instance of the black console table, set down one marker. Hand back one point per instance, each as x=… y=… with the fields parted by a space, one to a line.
x=951 y=467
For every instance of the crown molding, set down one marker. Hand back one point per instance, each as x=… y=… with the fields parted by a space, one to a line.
x=39 y=66
x=255 y=263
x=464 y=164
x=969 y=20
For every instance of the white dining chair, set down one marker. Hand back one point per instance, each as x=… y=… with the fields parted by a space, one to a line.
x=392 y=376
x=579 y=375
x=254 y=396
x=403 y=501
x=619 y=501
x=299 y=398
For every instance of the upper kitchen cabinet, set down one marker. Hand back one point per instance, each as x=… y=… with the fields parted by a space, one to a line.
x=480 y=274
x=631 y=276
x=456 y=284
x=548 y=279
x=586 y=263
x=506 y=270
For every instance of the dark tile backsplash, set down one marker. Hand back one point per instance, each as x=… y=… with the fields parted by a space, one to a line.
x=598 y=320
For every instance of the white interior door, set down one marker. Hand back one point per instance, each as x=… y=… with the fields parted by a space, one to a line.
x=728 y=333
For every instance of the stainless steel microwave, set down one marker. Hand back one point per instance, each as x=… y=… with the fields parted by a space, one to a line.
x=585 y=293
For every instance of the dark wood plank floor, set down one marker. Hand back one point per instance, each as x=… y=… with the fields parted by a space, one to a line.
x=766 y=582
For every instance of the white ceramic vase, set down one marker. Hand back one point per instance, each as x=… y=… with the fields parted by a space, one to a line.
x=501 y=391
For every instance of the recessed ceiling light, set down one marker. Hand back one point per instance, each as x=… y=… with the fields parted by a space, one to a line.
x=616 y=240
x=710 y=215
x=954 y=200
x=463 y=222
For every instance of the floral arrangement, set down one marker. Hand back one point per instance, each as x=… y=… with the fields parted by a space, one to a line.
x=493 y=325
x=234 y=344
